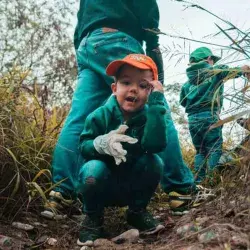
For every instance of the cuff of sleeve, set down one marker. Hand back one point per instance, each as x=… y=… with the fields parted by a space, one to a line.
x=238 y=71
x=156 y=98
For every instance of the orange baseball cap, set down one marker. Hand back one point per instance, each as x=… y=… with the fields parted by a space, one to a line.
x=137 y=60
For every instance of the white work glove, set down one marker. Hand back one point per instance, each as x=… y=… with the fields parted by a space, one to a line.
x=110 y=143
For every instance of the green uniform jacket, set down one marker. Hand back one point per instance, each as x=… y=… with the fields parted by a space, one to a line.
x=148 y=126
x=129 y=16
x=204 y=89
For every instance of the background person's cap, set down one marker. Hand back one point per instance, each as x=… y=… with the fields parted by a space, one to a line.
x=137 y=60
x=201 y=54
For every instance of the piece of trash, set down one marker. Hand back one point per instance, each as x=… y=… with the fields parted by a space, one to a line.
x=191 y=227
x=157 y=229
x=52 y=241
x=130 y=236
x=37 y=224
x=65 y=226
x=22 y=226
x=42 y=239
x=202 y=220
x=5 y=241
x=52 y=216
x=157 y=217
x=207 y=237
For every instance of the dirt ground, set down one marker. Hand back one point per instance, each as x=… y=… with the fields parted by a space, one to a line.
x=222 y=223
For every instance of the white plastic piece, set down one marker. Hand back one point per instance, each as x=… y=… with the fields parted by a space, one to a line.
x=22 y=226
x=52 y=241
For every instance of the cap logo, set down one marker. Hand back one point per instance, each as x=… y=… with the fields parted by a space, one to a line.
x=138 y=58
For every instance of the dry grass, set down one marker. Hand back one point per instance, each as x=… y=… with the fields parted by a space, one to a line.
x=28 y=134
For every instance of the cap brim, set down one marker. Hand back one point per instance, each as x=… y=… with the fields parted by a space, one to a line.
x=114 y=66
x=216 y=58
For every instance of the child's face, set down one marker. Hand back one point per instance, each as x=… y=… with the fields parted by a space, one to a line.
x=132 y=88
x=210 y=61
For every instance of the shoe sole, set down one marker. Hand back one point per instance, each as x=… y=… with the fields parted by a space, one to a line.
x=156 y=230
x=179 y=213
x=52 y=216
x=88 y=243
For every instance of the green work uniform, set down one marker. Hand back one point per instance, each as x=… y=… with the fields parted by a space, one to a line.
x=202 y=97
x=133 y=182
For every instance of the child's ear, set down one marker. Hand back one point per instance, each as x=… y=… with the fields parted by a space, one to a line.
x=114 y=88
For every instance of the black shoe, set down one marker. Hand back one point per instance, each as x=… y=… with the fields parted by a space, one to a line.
x=143 y=221
x=91 y=229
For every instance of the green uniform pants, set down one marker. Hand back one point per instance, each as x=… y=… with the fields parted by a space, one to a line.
x=208 y=143
x=127 y=184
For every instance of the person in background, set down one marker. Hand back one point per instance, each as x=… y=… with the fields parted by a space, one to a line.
x=202 y=98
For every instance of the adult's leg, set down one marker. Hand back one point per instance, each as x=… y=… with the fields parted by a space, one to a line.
x=144 y=179
x=90 y=93
x=186 y=195
x=199 y=167
x=176 y=175
x=95 y=52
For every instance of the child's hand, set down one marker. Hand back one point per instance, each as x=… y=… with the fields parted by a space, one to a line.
x=245 y=68
x=110 y=143
x=156 y=86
